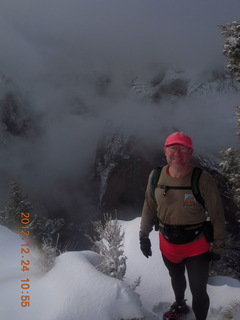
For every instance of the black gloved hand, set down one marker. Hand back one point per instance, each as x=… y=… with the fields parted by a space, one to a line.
x=214 y=256
x=145 y=245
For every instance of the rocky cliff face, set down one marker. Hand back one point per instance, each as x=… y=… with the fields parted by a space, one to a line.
x=16 y=118
x=173 y=83
x=122 y=170
x=121 y=174
x=117 y=178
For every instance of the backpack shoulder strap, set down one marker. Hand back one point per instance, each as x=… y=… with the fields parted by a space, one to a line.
x=195 y=185
x=154 y=179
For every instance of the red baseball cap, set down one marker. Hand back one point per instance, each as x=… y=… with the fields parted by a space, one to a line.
x=178 y=138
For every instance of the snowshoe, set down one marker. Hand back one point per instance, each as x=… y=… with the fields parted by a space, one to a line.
x=176 y=311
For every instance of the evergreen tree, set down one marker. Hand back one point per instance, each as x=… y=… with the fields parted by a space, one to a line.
x=230 y=165
x=231 y=48
x=109 y=244
x=46 y=230
x=230 y=168
x=17 y=203
x=44 y=233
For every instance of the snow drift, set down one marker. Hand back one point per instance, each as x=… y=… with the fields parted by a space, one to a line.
x=74 y=289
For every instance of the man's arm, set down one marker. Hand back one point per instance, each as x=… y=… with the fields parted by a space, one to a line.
x=214 y=206
x=149 y=213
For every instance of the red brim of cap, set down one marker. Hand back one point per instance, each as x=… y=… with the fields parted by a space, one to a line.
x=185 y=144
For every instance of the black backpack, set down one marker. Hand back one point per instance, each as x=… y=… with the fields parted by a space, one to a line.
x=207 y=226
x=194 y=184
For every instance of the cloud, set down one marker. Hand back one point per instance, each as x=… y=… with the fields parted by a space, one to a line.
x=74 y=61
x=58 y=36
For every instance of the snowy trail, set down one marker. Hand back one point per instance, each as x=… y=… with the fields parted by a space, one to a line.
x=155 y=288
x=74 y=290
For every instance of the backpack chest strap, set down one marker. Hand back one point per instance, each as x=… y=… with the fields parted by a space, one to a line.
x=166 y=188
x=194 y=184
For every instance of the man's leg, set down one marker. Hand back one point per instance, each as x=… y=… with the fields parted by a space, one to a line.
x=178 y=280
x=198 y=268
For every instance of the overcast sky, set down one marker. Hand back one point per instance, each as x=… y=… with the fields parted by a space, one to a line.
x=50 y=37
x=55 y=50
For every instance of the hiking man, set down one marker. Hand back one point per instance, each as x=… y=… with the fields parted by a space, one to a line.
x=184 y=235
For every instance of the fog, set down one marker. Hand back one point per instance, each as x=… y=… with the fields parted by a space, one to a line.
x=71 y=64
x=53 y=41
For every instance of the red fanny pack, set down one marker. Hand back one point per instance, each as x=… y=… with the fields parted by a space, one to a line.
x=177 y=252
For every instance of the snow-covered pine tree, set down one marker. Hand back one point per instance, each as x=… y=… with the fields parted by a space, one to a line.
x=45 y=235
x=230 y=164
x=109 y=244
x=17 y=203
x=44 y=232
x=231 y=32
x=230 y=168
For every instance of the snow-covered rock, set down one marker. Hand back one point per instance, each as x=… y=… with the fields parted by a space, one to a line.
x=74 y=289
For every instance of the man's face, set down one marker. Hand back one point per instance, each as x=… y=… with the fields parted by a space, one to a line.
x=178 y=155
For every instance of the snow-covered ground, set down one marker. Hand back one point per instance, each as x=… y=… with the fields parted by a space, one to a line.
x=74 y=290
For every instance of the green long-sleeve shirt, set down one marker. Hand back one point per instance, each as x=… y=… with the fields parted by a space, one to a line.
x=179 y=207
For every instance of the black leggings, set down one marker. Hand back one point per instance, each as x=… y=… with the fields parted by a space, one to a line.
x=197 y=269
